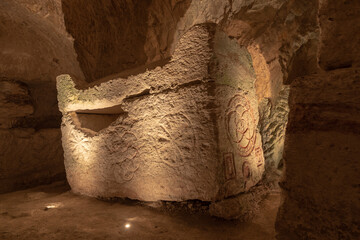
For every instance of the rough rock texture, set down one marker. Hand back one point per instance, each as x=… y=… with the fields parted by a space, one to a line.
x=29 y=157
x=113 y=36
x=244 y=206
x=278 y=34
x=272 y=124
x=290 y=41
x=49 y=11
x=321 y=183
x=277 y=30
x=271 y=31
x=183 y=132
x=34 y=49
x=340 y=34
x=15 y=102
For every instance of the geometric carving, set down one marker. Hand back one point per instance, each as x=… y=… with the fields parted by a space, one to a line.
x=121 y=143
x=176 y=139
x=246 y=170
x=120 y=140
x=230 y=170
x=171 y=130
x=78 y=144
x=125 y=170
x=240 y=124
x=259 y=156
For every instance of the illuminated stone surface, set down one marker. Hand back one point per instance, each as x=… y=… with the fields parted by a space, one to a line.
x=273 y=120
x=108 y=37
x=182 y=132
x=288 y=40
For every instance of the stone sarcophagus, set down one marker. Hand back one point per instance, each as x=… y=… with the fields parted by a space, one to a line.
x=185 y=130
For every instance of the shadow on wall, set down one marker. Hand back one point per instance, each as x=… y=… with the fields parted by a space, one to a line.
x=113 y=36
x=34 y=49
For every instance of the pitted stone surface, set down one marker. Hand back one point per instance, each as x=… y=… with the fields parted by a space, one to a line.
x=272 y=124
x=169 y=141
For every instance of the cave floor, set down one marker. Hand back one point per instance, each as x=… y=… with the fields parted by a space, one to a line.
x=25 y=215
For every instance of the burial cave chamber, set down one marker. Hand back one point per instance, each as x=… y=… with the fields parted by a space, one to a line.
x=190 y=130
x=179 y=119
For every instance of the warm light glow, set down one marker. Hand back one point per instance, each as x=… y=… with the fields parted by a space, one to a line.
x=52 y=205
x=155 y=149
x=127 y=225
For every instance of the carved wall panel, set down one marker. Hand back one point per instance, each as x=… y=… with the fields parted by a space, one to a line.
x=179 y=135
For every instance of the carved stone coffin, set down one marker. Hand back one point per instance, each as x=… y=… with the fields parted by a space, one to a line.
x=184 y=130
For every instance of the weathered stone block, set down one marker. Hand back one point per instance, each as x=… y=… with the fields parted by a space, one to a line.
x=174 y=133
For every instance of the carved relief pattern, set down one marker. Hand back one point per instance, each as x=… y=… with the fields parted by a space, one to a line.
x=176 y=139
x=241 y=125
x=78 y=144
x=121 y=144
x=259 y=157
x=230 y=170
x=246 y=171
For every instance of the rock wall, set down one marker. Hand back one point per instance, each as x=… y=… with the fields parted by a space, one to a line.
x=321 y=183
x=272 y=125
x=321 y=197
x=113 y=36
x=34 y=49
x=183 y=132
x=269 y=30
x=30 y=158
x=277 y=34
x=312 y=45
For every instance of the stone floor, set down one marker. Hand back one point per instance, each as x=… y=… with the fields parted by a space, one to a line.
x=54 y=212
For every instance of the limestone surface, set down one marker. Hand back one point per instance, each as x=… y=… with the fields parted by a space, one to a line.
x=321 y=152
x=34 y=49
x=181 y=131
x=34 y=157
x=272 y=124
x=99 y=39
x=15 y=102
x=321 y=158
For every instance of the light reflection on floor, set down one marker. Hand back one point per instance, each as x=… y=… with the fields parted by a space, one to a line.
x=52 y=212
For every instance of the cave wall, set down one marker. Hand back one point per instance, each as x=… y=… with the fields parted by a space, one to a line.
x=34 y=49
x=271 y=32
x=113 y=36
x=276 y=34
x=272 y=126
x=312 y=45
x=321 y=181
